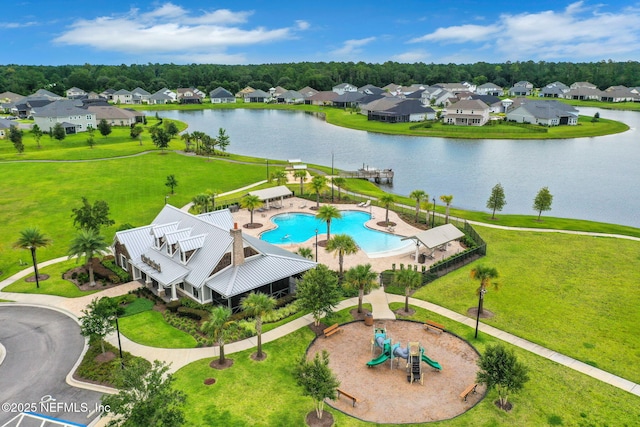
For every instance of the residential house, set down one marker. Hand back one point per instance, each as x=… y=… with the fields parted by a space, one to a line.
x=348 y=100
x=490 y=89
x=122 y=96
x=583 y=93
x=325 y=97
x=257 y=96
x=435 y=95
x=582 y=85
x=290 y=97
x=343 y=88
x=522 y=88
x=113 y=115
x=275 y=92
x=75 y=92
x=163 y=96
x=108 y=94
x=206 y=258
x=470 y=112
x=456 y=88
x=397 y=110
x=24 y=108
x=9 y=97
x=5 y=125
x=189 y=95
x=495 y=104
x=371 y=90
x=391 y=88
x=307 y=91
x=43 y=93
x=620 y=94
x=245 y=91
x=554 y=90
x=140 y=96
x=67 y=112
x=546 y=113
x=221 y=96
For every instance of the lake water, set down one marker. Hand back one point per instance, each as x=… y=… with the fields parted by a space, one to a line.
x=590 y=178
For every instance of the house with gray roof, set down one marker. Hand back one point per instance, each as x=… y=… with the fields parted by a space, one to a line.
x=307 y=91
x=521 y=88
x=122 y=96
x=324 y=97
x=221 y=95
x=490 y=89
x=113 y=115
x=43 y=93
x=468 y=112
x=5 y=125
x=554 y=90
x=545 y=113
x=140 y=96
x=620 y=94
x=257 y=96
x=75 y=92
x=290 y=97
x=206 y=258
x=163 y=96
x=400 y=111
x=67 y=112
x=371 y=90
x=348 y=99
x=343 y=88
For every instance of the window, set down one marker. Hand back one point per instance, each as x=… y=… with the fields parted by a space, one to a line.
x=123 y=262
x=196 y=294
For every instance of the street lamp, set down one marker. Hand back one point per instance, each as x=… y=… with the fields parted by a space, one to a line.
x=433 y=216
x=480 y=297
x=119 y=343
x=316 y=245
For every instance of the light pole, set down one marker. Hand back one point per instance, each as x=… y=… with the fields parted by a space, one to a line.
x=480 y=297
x=433 y=216
x=119 y=343
x=316 y=245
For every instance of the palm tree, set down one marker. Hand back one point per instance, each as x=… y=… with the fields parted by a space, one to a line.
x=387 y=200
x=280 y=176
x=258 y=305
x=31 y=238
x=302 y=175
x=341 y=245
x=362 y=278
x=200 y=203
x=447 y=201
x=198 y=136
x=88 y=243
x=318 y=185
x=419 y=195
x=326 y=213
x=186 y=137
x=212 y=194
x=409 y=279
x=485 y=275
x=339 y=182
x=217 y=327
x=425 y=205
x=251 y=202
x=305 y=253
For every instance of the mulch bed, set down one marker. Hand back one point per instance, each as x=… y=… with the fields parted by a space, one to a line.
x=312 y=419
x=32 y=279
x=322 y=243
x=255 y=357
x=253 y=225
x=102 y=284
x=486 y=314
x=215 y=364
x=209 y=381
x=107 y=356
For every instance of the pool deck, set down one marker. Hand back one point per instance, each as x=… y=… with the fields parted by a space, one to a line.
x=378 y=263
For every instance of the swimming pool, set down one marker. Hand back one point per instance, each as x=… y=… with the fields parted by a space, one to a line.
x=300 y=227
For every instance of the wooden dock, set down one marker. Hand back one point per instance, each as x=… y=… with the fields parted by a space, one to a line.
x=377 y=175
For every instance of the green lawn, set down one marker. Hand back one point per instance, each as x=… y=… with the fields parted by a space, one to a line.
x=54 y=285
x=239 y=396
x=149 y=328
x=133 y=187
x=574 y=294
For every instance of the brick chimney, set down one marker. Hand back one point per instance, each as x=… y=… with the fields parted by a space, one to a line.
x=238 y=248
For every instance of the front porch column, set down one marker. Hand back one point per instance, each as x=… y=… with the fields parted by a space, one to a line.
x=174 y=294
x=147 y=281
x=417 y=251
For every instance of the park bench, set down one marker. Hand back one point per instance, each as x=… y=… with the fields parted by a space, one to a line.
x=467 y=391
x=331 y=330
x=433 y=325
x=347 y=395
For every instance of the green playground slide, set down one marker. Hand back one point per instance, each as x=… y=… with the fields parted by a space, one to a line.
x=430 y=362
x=386 y=354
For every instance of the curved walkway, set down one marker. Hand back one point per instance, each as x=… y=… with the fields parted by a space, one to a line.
x=380 y=310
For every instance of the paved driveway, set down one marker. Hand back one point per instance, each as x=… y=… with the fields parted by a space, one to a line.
x=42 y=346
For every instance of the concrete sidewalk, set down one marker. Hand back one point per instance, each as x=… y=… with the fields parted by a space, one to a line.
x=378 y=299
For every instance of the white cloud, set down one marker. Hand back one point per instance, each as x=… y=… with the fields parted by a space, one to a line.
x=13 y=25
x=579 y=32
x=353 y=46
x=172 y=29
x=411 y=56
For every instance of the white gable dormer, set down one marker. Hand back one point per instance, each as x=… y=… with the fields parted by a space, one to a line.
x=159 y=232
x=189 y=246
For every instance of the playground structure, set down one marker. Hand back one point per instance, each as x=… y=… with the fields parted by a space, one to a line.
x=413 y=354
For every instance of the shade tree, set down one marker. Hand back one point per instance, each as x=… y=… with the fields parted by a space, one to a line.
x=542 y=201
x=496 y=200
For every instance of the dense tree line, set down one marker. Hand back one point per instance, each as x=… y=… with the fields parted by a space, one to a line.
x=26 y=79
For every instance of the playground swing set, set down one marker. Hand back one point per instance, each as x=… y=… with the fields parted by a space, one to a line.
x=413 y=354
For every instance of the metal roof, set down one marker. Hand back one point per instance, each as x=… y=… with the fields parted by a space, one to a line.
x=437 y=236
x=272 y=193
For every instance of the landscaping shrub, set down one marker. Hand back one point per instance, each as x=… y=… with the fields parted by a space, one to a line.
x=193 y=313
x=173 y=306
x=110 y=264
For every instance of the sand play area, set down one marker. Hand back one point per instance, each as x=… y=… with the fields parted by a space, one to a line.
x=384 y=394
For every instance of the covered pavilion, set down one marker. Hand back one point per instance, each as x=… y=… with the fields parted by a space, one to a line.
x=434 y=238
x=268 y=195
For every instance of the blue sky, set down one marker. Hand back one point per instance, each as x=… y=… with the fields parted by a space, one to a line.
x=55 y=32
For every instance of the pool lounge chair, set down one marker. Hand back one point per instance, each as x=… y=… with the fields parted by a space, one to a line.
x=304 y=205
x=366 y=204
x=361 y=204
